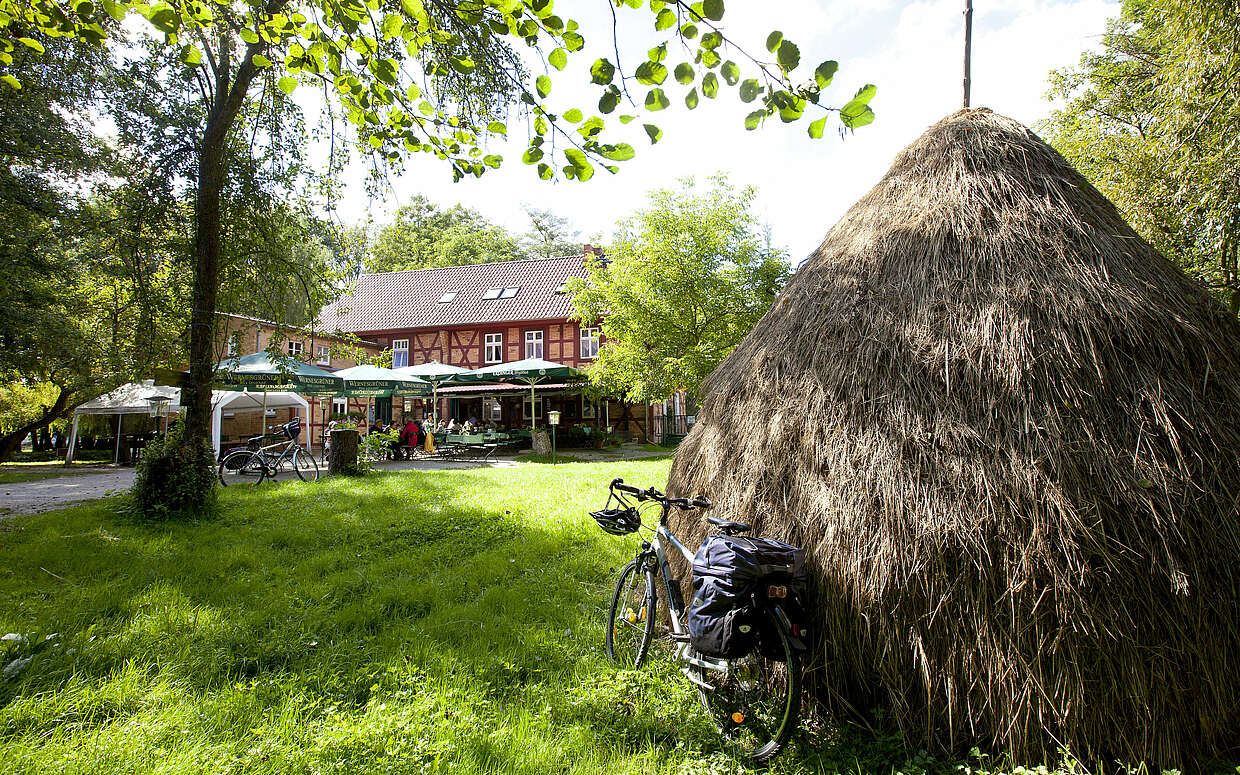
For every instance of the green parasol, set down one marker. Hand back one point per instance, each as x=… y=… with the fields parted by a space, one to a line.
x=257 y=372
x=530 y=371
x=436 y=374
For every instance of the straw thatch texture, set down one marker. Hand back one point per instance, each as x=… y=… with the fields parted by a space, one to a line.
x=1007 y=430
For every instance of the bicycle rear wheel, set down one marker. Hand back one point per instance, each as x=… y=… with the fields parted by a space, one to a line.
x=756 y=702
x=630 y=619
x=305 y=465
x=242 y=466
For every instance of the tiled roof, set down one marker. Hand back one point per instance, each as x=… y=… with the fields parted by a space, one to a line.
x=410 y=299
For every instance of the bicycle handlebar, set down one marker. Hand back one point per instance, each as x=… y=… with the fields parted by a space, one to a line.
x=650 y=493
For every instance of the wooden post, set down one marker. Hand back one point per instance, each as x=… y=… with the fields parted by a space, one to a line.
x=344 y=451
x=968 y=46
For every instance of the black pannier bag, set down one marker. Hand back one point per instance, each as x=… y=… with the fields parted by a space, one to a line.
x=727 y=573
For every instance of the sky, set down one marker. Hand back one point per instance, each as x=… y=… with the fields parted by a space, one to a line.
x=911 y=51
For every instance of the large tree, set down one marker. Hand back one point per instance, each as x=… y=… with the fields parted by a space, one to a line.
x=688 y=277
x=425 y=235
x=1151 y=119
x=430 y=76
x=549 y=235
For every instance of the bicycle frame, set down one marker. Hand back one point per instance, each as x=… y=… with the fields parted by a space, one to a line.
x=675 y=601
x=286 y=453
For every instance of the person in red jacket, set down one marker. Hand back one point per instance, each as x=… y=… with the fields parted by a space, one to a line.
x=408 y=438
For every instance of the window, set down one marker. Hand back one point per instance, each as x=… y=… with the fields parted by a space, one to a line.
x=491 y=411
x=538 y=408
x=325 y=355
x=502 y=293
x=448 y=297
x=494 y=348
x=533 y=344
x=563 y=287
x=589 y=343
x=294 y=349
x=340 y=406
x=400 y=353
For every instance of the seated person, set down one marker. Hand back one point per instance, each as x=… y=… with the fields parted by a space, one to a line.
x=452 y=426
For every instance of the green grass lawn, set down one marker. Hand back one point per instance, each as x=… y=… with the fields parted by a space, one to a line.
x=446 y=621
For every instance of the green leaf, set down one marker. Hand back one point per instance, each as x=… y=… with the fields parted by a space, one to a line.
x=825 y=72
x=689 y=31
x=532 y=155
x=730 y=72
x=656 y=100
x=712 y=40
x=572 y=115
x=543 y=84
x=545 y=172
x=710 y=86
x=684 y=73
x=754 y=120
x=602 y=71
x=190 y=55
x=463 y=65
x=580 y=164
x=789 y=55
x=658 y=53
x=260 y=61
x=166 y=20
x=610 y=99
x=11 y=82
x=249 y=36
x=792 y=109
x=573 y=41
x=115 y=10
x=750 y=89
x=713 y=9
x=618 y=152
x=558 y=59
x=31 y=44
x=691 y=99
x=287 y=85
x=650 y=73
x=626 y=119
x=816 y=128
x=664 y=20
x=497 y=128
x=653 y=132
x=773 y=41
x=857 y=112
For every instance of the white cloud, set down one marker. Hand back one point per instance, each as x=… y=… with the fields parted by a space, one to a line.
x=912 y=52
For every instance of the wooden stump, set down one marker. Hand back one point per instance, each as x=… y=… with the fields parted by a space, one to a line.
x=541 y=442
x=344 y=451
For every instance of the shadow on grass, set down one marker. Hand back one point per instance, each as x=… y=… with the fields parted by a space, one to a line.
x=415 y=614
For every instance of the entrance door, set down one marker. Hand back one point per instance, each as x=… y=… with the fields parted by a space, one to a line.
x=383 y=409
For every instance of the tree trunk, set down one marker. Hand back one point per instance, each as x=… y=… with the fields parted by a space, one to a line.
x=227 y=101
x=344 y=451
x=10 y=443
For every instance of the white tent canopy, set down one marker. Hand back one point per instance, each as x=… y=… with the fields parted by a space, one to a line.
x=134 y=398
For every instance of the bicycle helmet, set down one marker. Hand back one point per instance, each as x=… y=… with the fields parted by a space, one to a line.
x=618 y=522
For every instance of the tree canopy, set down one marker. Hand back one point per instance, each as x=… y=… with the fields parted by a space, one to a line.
x=687 y=278
x=1151 y=119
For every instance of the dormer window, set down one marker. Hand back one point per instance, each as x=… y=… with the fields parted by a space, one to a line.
x=448 y=297
x=563 y=288
x=502 y=293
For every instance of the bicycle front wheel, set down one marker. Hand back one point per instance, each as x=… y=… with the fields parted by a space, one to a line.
x=305 y=465
x=630 y=620
x=756 y=701
x=242 y=466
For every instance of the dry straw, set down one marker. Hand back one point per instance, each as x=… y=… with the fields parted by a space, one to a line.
x=1008 y=432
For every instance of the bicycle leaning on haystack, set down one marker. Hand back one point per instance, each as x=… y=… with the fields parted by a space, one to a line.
x=741 y=637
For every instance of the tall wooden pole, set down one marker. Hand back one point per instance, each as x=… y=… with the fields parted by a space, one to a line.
x=968 y=46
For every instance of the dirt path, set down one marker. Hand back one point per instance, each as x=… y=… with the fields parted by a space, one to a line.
x=61 y=491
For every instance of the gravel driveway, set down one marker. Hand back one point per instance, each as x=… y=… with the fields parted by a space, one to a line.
x=61 y=491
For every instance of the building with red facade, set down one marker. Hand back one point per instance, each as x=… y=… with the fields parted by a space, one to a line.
x=477 y=315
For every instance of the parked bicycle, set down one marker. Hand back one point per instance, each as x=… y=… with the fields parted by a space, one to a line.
x=740 y=639
x=253 y=466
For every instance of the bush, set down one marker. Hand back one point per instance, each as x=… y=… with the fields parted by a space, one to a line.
x=175 y=478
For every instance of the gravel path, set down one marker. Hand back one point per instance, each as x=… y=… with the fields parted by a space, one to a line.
x=61 y=491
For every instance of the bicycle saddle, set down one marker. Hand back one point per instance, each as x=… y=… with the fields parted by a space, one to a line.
x=727 y=527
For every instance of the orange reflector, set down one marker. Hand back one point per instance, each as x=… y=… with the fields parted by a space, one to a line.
x=776 y=591
x=737 y=718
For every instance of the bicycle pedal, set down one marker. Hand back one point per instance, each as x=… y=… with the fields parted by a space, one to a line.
x=679 y=637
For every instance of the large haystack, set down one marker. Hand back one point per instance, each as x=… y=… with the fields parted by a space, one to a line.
x=1008 y=431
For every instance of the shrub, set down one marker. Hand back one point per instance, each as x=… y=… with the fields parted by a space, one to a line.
x=175 y=478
